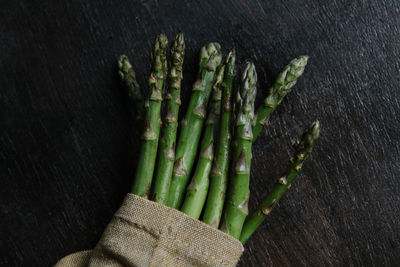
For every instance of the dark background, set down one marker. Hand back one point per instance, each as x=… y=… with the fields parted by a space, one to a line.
x=69 y=142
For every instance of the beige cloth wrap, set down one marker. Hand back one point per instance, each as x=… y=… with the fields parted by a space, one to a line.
x=145 y=233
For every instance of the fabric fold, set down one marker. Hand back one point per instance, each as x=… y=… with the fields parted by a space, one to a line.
x=145 y=233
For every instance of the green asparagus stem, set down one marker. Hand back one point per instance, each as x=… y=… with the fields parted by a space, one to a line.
x=238 y=192
x=196 y=192
x=303 y=151
x=128 y=79
x=282 y=86
x=166 y=153
x=192 y=124
x=145 y=168
x=219 y=173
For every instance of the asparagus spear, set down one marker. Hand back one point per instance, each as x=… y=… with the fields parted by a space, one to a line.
x=166 y=153
x=238 y=192
x=219 y=172
x=192 y=124
x=196 y=192
x=128 y=79
x=145 y=168
x=282 y=86
x=303 y=151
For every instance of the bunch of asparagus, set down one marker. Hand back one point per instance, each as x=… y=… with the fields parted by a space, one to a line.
x=218 y=130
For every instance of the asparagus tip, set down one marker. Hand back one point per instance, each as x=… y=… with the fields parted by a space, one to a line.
x=230 y=62
x=297 y=66
x=311 y=134
x=178 y=50
x=159 y=49
x=124 y=65
x=211 y=56
x=231 y=55
x=162 y=40
x=249 y=79
x=314 y=130
x=122 y=59
x=288 y=77
x=179 y=42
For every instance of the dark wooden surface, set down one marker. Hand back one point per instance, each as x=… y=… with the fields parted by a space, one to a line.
x=68 y=142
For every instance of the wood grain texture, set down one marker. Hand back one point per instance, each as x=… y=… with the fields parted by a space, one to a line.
x=68 y=142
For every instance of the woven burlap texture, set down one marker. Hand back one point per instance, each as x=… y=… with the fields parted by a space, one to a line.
x=145 y=233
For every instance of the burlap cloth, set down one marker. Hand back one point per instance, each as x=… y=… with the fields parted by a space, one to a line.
x=145 y=233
